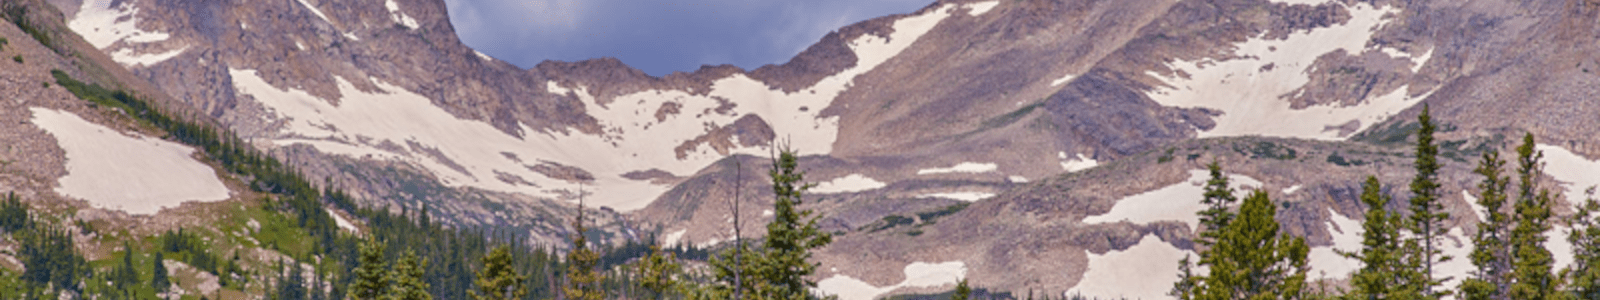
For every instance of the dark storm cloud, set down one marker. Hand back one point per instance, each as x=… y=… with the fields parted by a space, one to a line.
x=658 y=37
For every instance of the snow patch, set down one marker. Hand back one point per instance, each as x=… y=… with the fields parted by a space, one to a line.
x=673 y=238
x=314 y=10
x=1251 y=96
x=918 y=274
x=137 y=174
x=1575 y=173
x=1290 y=190
x=966 y=167
x=342 y=222
x=1457 y=245
x=485 y=57
x=398 y=16
x=1326 y=262
x=128 y=58
x=847 y=184
x=1477 y=209
x=1064 y=79
x=1017 y=179
x=766 y=212
x=351 y=36
x=1079 y=163
x=977 y=9
x=1178 y=202
x=963 y=196
x=102 y=25
x=1144 y=271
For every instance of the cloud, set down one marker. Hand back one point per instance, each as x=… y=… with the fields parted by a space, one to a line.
x=658 y=36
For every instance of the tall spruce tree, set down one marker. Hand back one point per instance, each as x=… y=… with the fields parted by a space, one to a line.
x=497 y=280
x=368 y=282
x=1427 y=211
x=1218 y=198
x=406 y=280
x=1532 y=263
x=583 y=283
x=1253 y=260
x=1584 y=273
x=1380 y=254
x=1491 y=253
x=783 y=265
x=127 y=274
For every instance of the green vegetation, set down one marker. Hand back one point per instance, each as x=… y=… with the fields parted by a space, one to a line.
x=17 y=58
x=1247 y=256
x=1265 y=149
x=1426 y=223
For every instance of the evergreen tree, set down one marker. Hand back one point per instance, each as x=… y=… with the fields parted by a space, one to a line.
x=583 y=283
x=126 y=274
x=783 y=266
x=656 y=272
x=1380 y=250
x=368 y=276
x=159 y=269
x=1427 y=212
x=1218 y=199
x=963 y=292
x=1253 y=260
x=498 y=280
x=1532 y=263
x=1584 y=272
x=1491 y=253
x=1188 y=283
x=406 y=280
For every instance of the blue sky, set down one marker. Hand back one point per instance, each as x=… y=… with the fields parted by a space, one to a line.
x=658 y=36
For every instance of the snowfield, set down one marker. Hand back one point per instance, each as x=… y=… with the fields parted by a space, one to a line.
x=1252 y=97
x=468 y=153
x=1079 y=163
x=979 y=8
x=342 y=222
x=918 y=274
x=1144 y=271
x=848 y=184
x=1177 y=202
x=966 y=167
x=103 y=26
x=137 y=174
x=1326 y=262
x=963 y=196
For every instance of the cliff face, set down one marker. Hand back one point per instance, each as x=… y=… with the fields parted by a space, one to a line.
x=999 y=129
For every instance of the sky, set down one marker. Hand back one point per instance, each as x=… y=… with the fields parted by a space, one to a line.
x=657 y=36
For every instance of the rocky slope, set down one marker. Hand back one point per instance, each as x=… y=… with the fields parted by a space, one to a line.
x=972 y=138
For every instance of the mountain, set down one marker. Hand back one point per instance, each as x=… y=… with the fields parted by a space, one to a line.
x=1003 y=141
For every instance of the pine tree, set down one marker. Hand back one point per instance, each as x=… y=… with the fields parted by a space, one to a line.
x=783 y=265
x=1584 y=273
x=963 y=292
x=159 y=279
x=1427 y=212
x=1380 y=250
x=1532 y=263
x=406 y=279
x=292 y=284
x=1253 y=260
x=368 y=276
x=1218 y=198
x=583 y=283
x=497 y=280
x=1491 y=253
x=656 y=272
